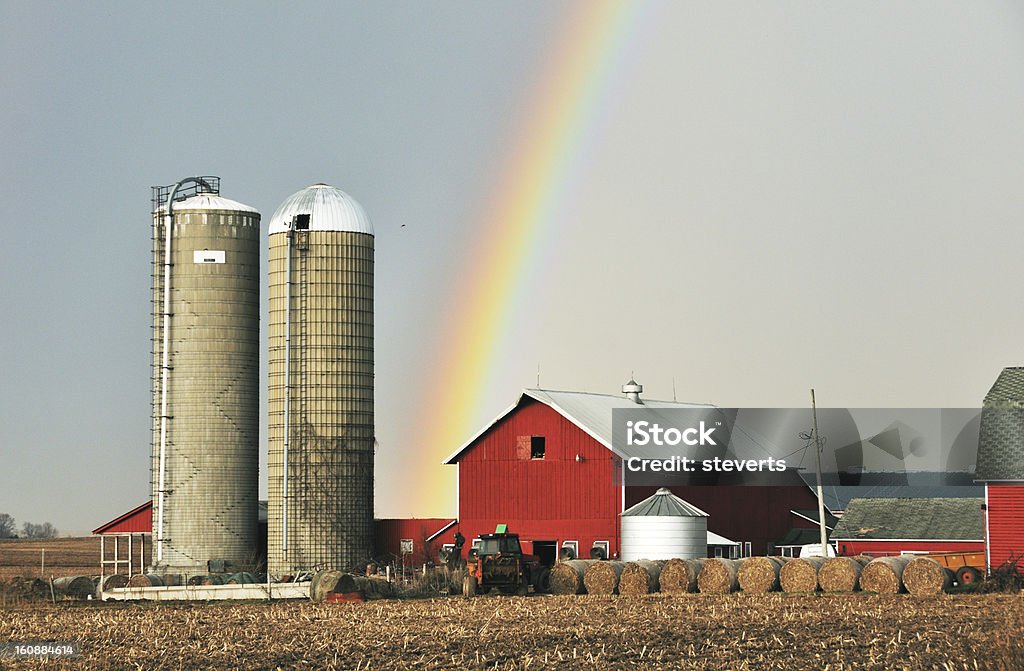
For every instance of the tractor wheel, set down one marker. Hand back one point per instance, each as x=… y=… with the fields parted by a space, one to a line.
x=469 y=586
x=542 y=581
x=967 y=575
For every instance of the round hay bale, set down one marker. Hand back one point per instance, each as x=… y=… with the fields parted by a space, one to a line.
x=923 y=576
x=719 y=576
x=207 y=580
x=884 y=575
x=758 y=575
x=145 y=580
x=679 y=576
x=800 y=574
x=602 y=577
x=369 y=587
x=115 y=581
x=323 y=583
x=37 y=587
x=78 y=587
x=840 y=574
x=241 y=578
x=640 y=577
x=567 y=576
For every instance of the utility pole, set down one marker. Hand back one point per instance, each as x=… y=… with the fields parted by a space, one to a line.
x=817 y=473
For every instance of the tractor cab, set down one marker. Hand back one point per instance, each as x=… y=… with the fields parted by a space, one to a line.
x=500 y=543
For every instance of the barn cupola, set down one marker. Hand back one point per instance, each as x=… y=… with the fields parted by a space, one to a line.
x=632 y=390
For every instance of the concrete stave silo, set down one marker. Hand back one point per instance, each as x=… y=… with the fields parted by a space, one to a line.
x=205 y=466
x=320 y=424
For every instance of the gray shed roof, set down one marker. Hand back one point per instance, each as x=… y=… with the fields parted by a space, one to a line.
x=913 y=485
x=912 y=519
x=664 y=503
x=1001 y=441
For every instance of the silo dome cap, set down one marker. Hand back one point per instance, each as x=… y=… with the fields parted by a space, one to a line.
x=209 y=201
x=329 y=209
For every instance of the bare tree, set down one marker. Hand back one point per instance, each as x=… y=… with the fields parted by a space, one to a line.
x=8 y=527
x=45 y=530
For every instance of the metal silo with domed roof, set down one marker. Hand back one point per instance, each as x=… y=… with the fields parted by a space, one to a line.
x=206 y=311
x=320 y=432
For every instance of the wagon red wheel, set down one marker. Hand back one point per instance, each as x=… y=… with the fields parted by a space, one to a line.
x=967 y=575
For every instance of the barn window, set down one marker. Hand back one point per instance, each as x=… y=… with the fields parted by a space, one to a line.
x=537 y=447
x=570 y=550
x=600 y=549
x=746 y=549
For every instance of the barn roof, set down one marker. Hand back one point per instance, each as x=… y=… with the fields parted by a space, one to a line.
x=1001 y=440
x=912 y=519
x=590 y=412
x=715 y=539
x=118 y=524
x=799 y=536
x=900 y=485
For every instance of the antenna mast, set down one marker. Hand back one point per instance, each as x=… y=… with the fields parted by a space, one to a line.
x=817 y=473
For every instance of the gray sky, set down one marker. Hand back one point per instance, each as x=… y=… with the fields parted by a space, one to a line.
x=771 y=197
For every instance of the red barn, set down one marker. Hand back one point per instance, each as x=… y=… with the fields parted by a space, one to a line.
x=422 y=536
x=1001 y=467
x=130 y=535
x=547 y=467
x=884 y=527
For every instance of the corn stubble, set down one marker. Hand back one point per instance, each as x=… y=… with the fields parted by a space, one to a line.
x=775 y=631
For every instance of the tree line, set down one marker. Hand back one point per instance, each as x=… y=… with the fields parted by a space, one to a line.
x=9 y=529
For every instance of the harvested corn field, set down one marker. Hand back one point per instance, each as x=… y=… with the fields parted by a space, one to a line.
x=658 y=632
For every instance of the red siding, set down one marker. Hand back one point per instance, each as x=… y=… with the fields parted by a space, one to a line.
x=137 y=521
x=759 y=515
x=1005 y=522
x=877 y=548
x=556 y=498
x=390 y=532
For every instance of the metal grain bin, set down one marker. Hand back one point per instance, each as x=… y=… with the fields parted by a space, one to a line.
x=664 y=527
x=320 y=430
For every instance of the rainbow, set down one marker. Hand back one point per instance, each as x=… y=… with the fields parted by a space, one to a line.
x=567 y=110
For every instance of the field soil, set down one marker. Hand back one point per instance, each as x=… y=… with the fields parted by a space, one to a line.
x=692 y=631
x=64 y=557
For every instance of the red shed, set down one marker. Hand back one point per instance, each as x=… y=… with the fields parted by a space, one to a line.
x=883 y=527
x=131 y=533
x=547 y=468
x=1001 y=467
x=135 y=521
x=427 y=535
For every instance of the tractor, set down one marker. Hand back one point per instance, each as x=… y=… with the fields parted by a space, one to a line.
x=499 y=563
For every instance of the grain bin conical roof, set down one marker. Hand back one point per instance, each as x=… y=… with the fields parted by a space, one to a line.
x=664 y=504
